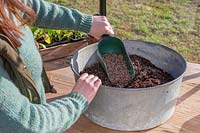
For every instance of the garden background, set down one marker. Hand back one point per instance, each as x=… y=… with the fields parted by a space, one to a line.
x=174 y=23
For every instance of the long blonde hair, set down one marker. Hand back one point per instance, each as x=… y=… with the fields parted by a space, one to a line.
x=7 y=27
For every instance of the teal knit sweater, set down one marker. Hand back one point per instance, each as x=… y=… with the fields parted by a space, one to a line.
x=17 y=114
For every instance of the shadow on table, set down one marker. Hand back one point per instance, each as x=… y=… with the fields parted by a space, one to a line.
x=57 y=64
x=192 y=125
x=188 y=94
x=192 y=76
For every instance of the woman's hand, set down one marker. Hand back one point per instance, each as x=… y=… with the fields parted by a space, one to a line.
x=100 y=26
x=88 y=86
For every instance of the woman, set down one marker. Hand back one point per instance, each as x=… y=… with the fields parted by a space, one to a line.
x=17 y=112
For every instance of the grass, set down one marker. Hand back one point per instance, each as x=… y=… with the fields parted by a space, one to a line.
x=174 y=23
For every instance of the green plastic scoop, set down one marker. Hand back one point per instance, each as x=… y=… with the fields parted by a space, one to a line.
x=112 y=45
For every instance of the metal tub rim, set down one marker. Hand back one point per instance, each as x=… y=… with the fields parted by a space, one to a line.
x=137 y=89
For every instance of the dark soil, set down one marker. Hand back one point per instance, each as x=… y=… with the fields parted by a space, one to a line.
x=146 y=74
x=117 y=69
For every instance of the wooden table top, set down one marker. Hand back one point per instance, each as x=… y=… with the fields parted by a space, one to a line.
x=186 y=118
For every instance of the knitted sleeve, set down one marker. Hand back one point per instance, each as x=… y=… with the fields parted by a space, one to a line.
x=49 y=15
x=17 y=114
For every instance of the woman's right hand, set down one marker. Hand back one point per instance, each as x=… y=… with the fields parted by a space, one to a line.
x=100 y=26
x=88 y=86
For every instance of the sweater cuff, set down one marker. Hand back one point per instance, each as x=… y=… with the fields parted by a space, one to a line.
x=86 y=23
x=82 y=100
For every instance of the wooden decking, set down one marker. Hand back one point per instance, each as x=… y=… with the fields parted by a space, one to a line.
x=186 y=118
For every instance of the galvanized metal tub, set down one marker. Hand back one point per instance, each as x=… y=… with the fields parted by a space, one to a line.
x=134 y=109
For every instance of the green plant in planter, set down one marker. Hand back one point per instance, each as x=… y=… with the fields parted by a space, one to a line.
x=47 y=37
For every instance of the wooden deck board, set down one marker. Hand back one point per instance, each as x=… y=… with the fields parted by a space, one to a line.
x=186 y=118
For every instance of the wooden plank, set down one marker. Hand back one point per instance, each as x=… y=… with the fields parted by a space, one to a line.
x=186 y=118
x=63 y=50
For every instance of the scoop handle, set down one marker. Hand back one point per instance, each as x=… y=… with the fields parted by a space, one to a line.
x=102 y=7
x=105 y=36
